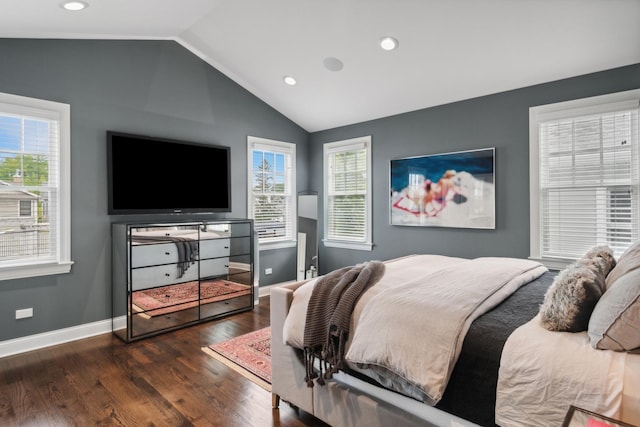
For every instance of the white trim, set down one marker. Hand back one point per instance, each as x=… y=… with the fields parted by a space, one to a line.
x=60 y=336
x=348 y=144
x=74 y=333
x=329 y=148
x=266 y=290
x=348 y=245
x=537 y=114
x=35 y=270
x=554 y=263
x=288 y=148
x=267 y=246
x=263 y=144
x=585 y=106
x=60 y=113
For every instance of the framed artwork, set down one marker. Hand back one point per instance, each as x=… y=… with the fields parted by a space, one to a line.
x=578 y=417
x=444 y=190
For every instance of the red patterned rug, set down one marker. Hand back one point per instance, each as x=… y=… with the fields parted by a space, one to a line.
x=168 y=299
x=248 y=354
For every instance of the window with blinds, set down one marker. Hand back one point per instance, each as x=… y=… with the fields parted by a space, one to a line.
x=587 y=175
x=272 y=201
x=348 y=193
x=34 y=187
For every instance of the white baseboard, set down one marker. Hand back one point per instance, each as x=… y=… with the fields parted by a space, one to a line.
x=60 y=336
x=266 y=290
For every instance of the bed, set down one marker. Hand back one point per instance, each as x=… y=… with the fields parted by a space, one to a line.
x=472 y=386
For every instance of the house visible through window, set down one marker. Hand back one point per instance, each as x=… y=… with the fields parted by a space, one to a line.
x=347 y=180
x=34 y=187
x=584 y=176
x=272 y=192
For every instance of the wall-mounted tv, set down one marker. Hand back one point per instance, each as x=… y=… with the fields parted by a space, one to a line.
x=149 y=175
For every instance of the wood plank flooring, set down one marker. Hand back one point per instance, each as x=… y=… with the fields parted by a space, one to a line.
x=166 y=380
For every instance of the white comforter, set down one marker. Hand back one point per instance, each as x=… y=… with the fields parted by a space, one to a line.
x=543 y=372
x=408 y=329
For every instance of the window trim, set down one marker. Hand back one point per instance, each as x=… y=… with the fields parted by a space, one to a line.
x=60 y=112
x=346 y=145
x=263 y=144
x=593 y=105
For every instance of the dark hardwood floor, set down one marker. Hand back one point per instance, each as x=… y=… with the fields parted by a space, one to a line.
x=166 y=380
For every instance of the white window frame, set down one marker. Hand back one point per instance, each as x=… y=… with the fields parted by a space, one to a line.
x=49 y=110
x=575 y=108
x=330 y=148
x=288 y=149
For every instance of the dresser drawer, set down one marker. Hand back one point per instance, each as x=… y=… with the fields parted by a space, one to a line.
x=214 y=267
x=161 y=275
x=161 y=253
x=229 y=229
x=214 y=248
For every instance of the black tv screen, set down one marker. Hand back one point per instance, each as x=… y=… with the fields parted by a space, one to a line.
x=156 y=175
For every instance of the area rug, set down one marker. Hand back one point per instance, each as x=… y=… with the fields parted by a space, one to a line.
x=248 y=354
x=168 y=299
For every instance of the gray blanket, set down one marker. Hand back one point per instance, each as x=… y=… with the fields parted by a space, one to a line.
x=187 y=249
x=328 y=316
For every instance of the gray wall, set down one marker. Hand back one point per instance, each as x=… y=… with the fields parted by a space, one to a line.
x=146 y=87
x=501 y=121
x=159 y=88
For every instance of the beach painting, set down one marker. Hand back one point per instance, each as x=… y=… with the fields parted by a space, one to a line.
x=444 y=190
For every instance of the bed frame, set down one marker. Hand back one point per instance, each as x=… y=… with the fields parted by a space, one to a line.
x=345 y=400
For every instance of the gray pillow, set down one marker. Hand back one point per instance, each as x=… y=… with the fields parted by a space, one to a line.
x=572 y=296
x=570 y=299
x=615 y=321
x=628 y=261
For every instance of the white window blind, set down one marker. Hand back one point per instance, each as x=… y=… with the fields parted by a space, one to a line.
x=348 y=193
x=272 y=203
x=588 y=178
x=34 y=187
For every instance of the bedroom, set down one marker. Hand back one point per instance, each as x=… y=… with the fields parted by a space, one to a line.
x=158 y=85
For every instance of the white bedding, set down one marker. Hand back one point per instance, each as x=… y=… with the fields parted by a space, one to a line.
x=405 y=332
x=542 y=372
x=397 y=271
x=409 y=337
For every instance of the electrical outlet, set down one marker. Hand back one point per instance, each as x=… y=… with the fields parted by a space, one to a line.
x=24 y=313
x=268 y=271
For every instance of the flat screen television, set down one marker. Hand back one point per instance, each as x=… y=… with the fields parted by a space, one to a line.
x=150 y=175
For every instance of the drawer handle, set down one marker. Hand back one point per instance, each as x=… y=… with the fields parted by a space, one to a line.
x=226 y=247
x=167 y=253
x=167 y=234
x=226 y=266
x=167 y=274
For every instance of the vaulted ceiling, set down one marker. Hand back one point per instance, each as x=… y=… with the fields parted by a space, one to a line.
x=449 y=50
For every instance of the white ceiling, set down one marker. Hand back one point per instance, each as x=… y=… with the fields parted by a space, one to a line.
x=449 y=50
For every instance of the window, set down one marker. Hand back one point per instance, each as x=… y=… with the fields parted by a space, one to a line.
x=584 y=176
x=347 y=181
x=272 y=192
x=34 y=187
x=25 y=208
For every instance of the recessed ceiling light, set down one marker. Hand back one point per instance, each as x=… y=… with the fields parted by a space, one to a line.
x=289 y=80
x=388 y=43
x=74 y=5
